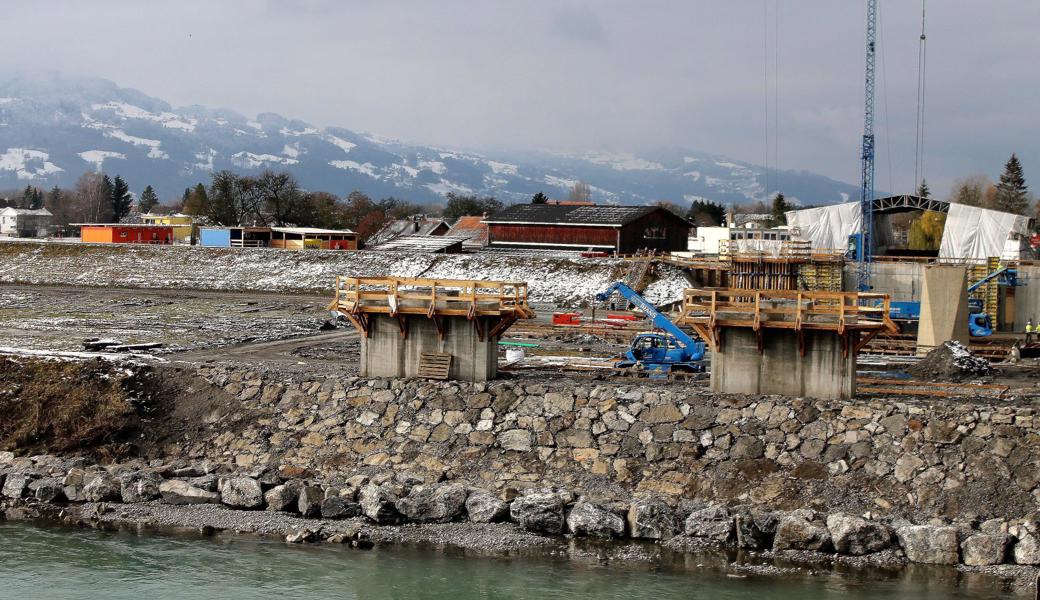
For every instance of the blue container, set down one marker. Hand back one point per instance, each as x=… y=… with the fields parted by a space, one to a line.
x=214 y=237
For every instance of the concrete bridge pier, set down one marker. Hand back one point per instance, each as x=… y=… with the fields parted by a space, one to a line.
x=827 y=369
x=394 y=346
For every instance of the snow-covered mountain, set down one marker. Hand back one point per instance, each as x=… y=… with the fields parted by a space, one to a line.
x=53 y=128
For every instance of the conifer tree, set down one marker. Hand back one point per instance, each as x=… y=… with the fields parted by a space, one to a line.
x=120 y=199
x=780 y=208
x=539 y=198
x=1012 y=195
x=148 y=200
x=923 y=191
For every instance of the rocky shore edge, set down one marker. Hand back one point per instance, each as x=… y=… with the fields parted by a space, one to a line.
x=394 y=507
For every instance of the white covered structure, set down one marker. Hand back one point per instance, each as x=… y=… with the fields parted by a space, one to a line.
x=970 y=232
x=973 y=232
x=25 y=222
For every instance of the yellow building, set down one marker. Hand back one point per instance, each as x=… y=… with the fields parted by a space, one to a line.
x=181 y=224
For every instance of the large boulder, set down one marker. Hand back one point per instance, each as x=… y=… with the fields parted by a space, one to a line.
x=142 y=486
x=539 y=511
x=856 y=536
x=15 y=485
x=795 y=532
x=755 y=529
x=102 y=487
x=72 y=485
x=378 y=503
x=587 y=519
x=339 y=507
x=1026 y=550
x=48 y=489
x=929 y=544
x=485 y=507
x=652 y=519
x=283 y=497
x=712 y=523
x=175 y=491
x=309 y=501
x=241 y=492
x=984 y=549
x=434 y=503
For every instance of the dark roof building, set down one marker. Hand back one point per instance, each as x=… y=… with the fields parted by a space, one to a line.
x=621 y=229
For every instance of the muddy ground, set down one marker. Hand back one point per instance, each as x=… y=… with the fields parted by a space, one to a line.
x=61 y=319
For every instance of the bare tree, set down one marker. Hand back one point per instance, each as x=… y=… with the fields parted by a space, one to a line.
x=581 y=192
x=970 y=190
x=92 y=195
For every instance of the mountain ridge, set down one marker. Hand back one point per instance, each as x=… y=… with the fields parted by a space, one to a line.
x=54 y=127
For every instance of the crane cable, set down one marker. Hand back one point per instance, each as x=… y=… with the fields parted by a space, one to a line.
x=765 y=84
x=922 y=56
x=884 y=96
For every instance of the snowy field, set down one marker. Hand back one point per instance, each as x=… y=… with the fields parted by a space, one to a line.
x=551 y=280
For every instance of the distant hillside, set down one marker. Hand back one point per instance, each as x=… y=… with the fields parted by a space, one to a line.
x=53 y=128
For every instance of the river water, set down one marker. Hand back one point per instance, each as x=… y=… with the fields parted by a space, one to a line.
x=60 y=563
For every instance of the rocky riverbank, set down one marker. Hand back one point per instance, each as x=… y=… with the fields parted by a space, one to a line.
x=392 y=507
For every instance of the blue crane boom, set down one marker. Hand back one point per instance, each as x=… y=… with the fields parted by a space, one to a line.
x=866 y=192
x=659 y=320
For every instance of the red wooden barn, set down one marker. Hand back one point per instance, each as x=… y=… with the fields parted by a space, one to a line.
x=621 y=229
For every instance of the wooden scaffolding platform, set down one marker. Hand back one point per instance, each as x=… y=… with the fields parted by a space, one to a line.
x=499 y=302
x=851 y=315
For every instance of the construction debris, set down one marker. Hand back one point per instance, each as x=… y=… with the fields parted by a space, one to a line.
x=951 y=361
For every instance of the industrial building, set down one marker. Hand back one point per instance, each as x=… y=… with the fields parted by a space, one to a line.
x=25 y=222
x=125 y=233
x=617 y=229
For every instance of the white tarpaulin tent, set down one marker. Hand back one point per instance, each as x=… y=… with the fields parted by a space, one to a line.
x=826 y=227
x=973 y=232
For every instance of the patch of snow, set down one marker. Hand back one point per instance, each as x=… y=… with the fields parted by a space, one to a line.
x=500 y=168
x=728 y=165
x=19 y=160
x=446 y=186
x=341 y=143
x=248 y=160
x=221 y=121
x=448 y=155
x=689 y=159
x=694 y=175
x=622 y=161
x=433 y=165
x=291 y=151
x=205 y=159
x=129 y=111
x=560 y=182
x=367 y=168
x=98 y=157
x=6 y=101
x=153 y=145
x=255 y=125
x=298 y=132
x=844 y=196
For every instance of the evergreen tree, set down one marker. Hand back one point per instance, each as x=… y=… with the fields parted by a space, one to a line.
x=1012 y=195
x=923 y=191
x=148 y=200
x=120 y=198
x=704 y=213
x=779 y=211
x=539 y=198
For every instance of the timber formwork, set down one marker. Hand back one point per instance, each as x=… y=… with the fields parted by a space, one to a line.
x=793 y=266
x=854 y=317
x=492 y=306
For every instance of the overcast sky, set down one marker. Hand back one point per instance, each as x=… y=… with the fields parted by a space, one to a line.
x=578 y=75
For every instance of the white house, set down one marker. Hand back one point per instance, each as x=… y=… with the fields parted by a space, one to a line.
x=25 y=222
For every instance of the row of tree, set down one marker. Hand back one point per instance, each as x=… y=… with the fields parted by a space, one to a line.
x=96 y=198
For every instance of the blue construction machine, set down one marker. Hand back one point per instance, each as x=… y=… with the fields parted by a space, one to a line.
x=657 y=353
x=979 y=322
